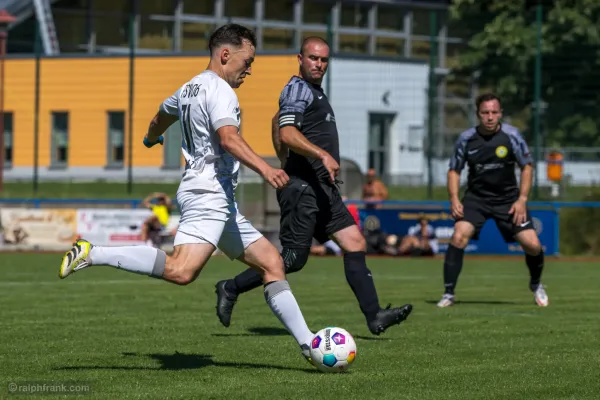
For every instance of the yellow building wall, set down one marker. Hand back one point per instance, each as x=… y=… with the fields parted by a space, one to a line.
x=87 y=88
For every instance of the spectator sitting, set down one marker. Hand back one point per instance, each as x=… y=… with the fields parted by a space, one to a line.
x=420 y=240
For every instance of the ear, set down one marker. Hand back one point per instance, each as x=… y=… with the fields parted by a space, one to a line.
x=299 y=59
x=225 y=55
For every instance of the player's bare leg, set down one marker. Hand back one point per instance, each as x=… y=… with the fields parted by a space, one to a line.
x=534 y=258
x=463 y=231
x=263 y=257
x=181 y=268
x=360 y=279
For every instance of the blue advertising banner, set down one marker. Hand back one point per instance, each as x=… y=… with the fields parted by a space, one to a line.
x=399 y=220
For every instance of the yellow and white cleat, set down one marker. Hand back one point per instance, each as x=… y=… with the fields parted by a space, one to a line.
x=76 y=258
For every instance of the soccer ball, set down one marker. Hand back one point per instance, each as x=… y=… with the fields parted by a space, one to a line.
x=333 y=350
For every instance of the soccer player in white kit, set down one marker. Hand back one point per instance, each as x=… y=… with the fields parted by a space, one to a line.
x=208 y=111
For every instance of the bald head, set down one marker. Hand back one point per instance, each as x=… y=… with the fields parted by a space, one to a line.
x=312 y=40
x=313 y=59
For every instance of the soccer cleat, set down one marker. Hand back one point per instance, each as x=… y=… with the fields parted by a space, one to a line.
x=446 y=301
x=306 y=353
x=540 y=296
x=225 y=303
x=387 y=317
x=76 y=258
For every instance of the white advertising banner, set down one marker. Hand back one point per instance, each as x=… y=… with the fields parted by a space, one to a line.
x=43 y=228
x=114 y=227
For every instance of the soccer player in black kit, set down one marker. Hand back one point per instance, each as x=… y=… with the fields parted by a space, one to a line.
x=491 y=151
x=306 y=140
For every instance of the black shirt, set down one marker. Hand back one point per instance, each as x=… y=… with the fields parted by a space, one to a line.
x=305 y=106
x=491 y=160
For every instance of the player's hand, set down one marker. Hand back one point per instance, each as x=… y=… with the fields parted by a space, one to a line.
x=276 y=177
x=331 y=165
x=519 y=212
x=456 y=208
x=148 y=143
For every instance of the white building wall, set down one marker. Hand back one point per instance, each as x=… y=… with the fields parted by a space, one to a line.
x=360 y=87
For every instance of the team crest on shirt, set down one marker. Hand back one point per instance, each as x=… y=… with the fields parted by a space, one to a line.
x=501 y=151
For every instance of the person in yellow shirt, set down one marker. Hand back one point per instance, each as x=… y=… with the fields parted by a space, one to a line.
x=161 y=212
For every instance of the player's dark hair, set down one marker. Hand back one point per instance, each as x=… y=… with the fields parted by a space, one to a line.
x=232 y=34
x=310 y=39
x=482 y=98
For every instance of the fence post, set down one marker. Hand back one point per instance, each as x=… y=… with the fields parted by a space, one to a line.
x=431 y=98
x=36 y=107
x=537 y=82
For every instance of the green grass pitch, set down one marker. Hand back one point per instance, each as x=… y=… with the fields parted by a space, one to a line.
x=130 y=336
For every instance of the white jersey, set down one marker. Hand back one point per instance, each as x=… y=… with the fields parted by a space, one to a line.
x=203 y=105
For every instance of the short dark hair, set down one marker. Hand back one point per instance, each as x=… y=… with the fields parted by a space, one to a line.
x=482 y=98
x=233 y=34
x=310 y=39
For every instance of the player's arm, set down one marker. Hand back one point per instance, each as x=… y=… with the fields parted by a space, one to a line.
x=280 y=149
x=168 y=113
x=235 y=145
x=457 y=163
x=525 y=161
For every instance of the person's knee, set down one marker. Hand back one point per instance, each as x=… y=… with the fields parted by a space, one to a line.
x=530 y=243
x=461 y=237
x=272 y=268
x=294 y=259
x=180 y=270
x=353 y=242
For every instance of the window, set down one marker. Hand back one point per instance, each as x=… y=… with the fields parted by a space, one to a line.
x=172 y=147
x=380 y=125
x=59 y=152
x=8 y=140
x=116 y=139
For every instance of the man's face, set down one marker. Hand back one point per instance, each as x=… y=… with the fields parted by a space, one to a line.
x=489 y=115
x=314 y=61
x=238 y=63
x=371 y=175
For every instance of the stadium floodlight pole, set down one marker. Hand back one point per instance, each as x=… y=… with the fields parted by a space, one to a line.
x=5 y=20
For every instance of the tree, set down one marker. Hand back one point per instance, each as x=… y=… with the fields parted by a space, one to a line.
x=502 y=48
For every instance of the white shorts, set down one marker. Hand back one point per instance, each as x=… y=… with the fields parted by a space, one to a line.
x=208 y=217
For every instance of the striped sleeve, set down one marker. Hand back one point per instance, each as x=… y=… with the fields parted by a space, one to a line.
x=519 y=146
x=293 y=102
x=459 y=158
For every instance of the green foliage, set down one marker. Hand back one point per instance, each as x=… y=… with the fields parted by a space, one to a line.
x=503 y=49
x=579 y=234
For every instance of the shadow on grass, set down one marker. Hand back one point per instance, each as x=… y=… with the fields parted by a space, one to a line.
x=182 y=361
x=483 y=302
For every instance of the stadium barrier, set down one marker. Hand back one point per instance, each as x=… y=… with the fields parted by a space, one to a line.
x=53 y=224
x=57 y=228
x=397 y=217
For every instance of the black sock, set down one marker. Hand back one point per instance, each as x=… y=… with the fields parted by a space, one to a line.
x=535 y=265
x=452 y=266
x=361 y=281
x=244 y=282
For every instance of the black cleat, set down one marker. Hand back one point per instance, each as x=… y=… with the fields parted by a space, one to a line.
x=225 y=303
x=387 y=317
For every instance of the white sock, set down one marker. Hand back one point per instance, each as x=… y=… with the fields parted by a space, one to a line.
x=283 y=304
x=139 y=259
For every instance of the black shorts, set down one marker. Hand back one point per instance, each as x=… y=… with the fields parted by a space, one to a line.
x=477 y=211
x=310 y=209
